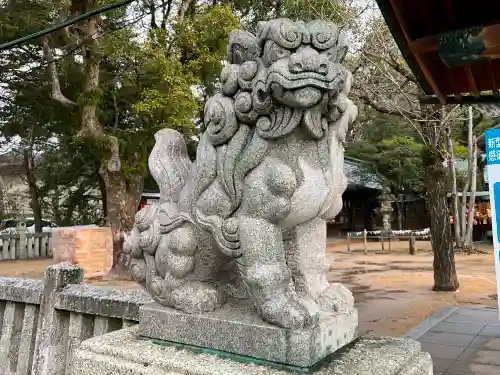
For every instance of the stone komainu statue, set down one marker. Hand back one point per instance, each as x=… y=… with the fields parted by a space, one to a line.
x=247 y=218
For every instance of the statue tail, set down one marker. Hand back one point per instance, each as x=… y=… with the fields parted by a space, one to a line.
x=169 y=164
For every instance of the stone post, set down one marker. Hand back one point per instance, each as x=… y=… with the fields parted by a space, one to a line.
x=23 y=242
x=365 y=244
x=412 y=246
x=51 y=344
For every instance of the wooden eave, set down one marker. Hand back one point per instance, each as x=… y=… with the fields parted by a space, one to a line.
x=417 y=27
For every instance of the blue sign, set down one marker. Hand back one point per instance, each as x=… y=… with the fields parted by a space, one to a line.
x=496 y=194
x=492 y=141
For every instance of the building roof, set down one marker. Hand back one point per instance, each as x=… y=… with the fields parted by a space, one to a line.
x=362 y=174
x=452 y=47
x=359 y=174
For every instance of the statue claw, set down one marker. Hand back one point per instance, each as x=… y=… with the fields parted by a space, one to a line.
x=287 y=313
x=336 y=298
x=196 y=298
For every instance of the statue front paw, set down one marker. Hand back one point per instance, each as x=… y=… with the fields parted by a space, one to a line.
x=287 y=313
x=336 y=298
x=196 y=297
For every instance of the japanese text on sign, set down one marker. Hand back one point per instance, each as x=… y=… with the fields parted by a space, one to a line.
x=493 y=146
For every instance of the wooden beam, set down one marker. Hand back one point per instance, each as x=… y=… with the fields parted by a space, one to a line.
x=493 y=79
x=418 y=57
x=472 y=81
x=425 y=45
x=451 y=80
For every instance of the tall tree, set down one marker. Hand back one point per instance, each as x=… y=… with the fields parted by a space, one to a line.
x=117 y=89
x=386 y=84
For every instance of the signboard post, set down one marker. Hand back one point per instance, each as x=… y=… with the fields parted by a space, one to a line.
x=492 y=139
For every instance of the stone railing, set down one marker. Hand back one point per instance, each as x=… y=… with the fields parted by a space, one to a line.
x=23 y=245
x=42 y=322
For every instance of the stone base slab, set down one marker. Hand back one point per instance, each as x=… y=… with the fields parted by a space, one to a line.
x=237 y=329
x=124 y=353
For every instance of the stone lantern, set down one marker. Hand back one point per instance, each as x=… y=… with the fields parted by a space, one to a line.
x=385 y=210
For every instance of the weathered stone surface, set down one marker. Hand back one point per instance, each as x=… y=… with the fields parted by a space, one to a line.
x=237 y=328
x=122 y=353
x=55 y=316
x=10 y=335
x=51 y=345
x=109 y=302
x=247 y=217
x=90 y=248
x=21 y=290
x=27 y=337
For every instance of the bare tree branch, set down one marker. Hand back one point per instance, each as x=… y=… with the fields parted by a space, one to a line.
x=394 y=64
x=185 y=4
x=378 y=107
x=56 y=93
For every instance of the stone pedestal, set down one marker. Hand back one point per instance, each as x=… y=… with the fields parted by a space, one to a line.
x=124 y=353
x=236 y=328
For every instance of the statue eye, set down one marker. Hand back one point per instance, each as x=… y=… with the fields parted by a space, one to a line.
x=273 y=52
x=335 y=54
x=282 y=53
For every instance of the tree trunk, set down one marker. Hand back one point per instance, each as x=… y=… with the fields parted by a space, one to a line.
x=445 y=275
x=454 y=195
x=122 y=203
x=104 y=198
x=3 y=204
x=29 y=169
x=56 y=208
x=122 y=196
x=473 y=184
x=400 y=207
x=464 y=215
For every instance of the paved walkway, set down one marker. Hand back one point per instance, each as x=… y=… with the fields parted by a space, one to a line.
x=462 y=340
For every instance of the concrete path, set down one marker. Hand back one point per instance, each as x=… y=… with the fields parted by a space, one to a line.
x=462 y=340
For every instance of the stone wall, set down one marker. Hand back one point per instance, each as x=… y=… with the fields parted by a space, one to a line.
x=42 y=322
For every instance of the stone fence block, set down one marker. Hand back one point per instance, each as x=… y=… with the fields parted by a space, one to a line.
x=43 y=322
x=112 y=303
x=51 y=341
x=21 y=290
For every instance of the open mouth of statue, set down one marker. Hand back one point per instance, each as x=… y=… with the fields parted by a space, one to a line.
x=301 y=90
x=296 y=81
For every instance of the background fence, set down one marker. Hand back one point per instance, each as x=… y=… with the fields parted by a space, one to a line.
x=23 y=245
x=42 y=322
x=386 y=237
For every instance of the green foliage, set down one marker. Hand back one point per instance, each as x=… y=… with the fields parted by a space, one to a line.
x=69 y=182
x=398 y=158
x=93 y=97
x=339 y=11
x=308 y=10
x=145 y=85
x=460 y=151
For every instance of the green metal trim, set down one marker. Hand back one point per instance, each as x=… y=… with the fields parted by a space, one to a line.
x=392 y=23
x=251 y=360
x=461 y=47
